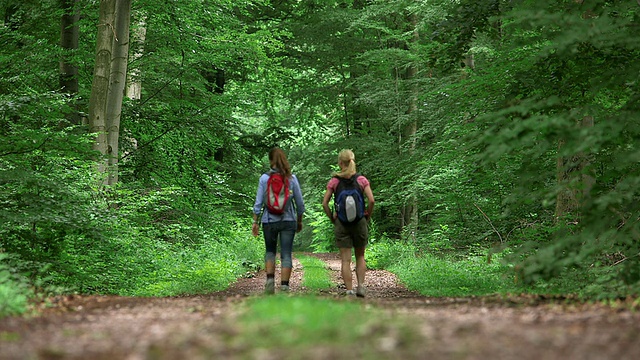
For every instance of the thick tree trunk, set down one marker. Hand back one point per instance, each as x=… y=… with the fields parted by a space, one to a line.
x=69 y=30
x=118 y=76
x=100 y=84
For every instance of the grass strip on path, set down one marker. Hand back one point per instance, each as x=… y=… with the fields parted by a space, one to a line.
x=301 y=327
x=310 y=326
x=316 y=276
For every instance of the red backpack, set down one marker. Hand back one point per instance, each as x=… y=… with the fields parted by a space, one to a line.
x=277 y=193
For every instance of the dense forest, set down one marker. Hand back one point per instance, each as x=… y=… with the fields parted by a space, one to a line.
x=501 y=139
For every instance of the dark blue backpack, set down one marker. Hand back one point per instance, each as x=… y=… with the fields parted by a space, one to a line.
x=349 y=200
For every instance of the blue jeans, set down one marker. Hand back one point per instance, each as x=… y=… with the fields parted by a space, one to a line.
x=286 y=230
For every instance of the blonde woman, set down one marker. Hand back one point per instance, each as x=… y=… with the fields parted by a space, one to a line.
x=350 y=233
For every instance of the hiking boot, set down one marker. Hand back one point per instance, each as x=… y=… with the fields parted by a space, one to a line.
x=350 y=293
x=284 y=288
x=269 y=287
x=361 y=291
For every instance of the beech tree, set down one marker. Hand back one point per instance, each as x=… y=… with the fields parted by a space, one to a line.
x=109 y=79
x=69 y=34
x=101 y=78
x=117 y=83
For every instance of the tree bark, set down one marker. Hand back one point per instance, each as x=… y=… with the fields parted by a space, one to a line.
x=408 y=145
x=117 y=82
x=69 y=31
x=100 y=84
x=574 y=178
x=134 y=85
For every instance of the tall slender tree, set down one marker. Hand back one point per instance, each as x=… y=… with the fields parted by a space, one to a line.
x=117 y=82
x=408 y=134
x=69 y=34
x=134 y=84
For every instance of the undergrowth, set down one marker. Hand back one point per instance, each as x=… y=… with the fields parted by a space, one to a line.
x=476 y=273
x=14 y=289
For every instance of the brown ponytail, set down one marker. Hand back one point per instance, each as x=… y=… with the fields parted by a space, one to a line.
x=278 y=160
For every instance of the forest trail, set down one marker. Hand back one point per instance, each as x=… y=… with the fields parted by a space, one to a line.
x=202 y=327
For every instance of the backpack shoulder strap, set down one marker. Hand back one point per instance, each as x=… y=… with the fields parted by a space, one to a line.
x=354 y=178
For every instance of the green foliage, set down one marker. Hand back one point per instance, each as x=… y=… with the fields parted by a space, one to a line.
x=384 y=252
x=293 y=323
x=550 y=93
x=199 y=271
x=14 y=288
x=323 y=236
x=47 y=187
x=154 y=248
x=172 y=225
x=481 y=272
x=474 y=147
x=433 y=276
x=316 y=276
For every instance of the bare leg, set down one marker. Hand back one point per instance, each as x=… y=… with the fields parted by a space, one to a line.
x=270 y=267
x=285 y=274
x=361 y=266
x=345 y=257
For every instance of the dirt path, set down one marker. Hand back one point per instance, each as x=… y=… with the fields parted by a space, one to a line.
x=96 y=327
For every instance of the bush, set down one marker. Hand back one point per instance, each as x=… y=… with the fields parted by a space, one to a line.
x=385 y=252
x=14 y=289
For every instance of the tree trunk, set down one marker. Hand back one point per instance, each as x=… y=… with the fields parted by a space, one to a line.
x=118 y=76
x=69 y=30
x=100 y=84
x=408 y=145
x=134 y=85
x=575 y=180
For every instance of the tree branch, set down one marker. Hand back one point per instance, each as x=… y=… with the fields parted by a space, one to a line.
x=490 y=223
x=25 y=151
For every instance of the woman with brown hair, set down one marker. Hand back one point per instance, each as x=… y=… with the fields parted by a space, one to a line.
x=283 y=220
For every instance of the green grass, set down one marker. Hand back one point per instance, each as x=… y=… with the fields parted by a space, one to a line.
x=290 y=326
x=432 y=276
x=462 y=275
x=316 y=275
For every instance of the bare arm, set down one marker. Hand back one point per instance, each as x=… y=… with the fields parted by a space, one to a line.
x=370 y=201
x=325 y=205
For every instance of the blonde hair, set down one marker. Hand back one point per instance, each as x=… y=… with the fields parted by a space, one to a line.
x=346 y=158
x=278 y=160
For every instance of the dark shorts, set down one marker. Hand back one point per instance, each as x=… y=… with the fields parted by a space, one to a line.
x=355 y=235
